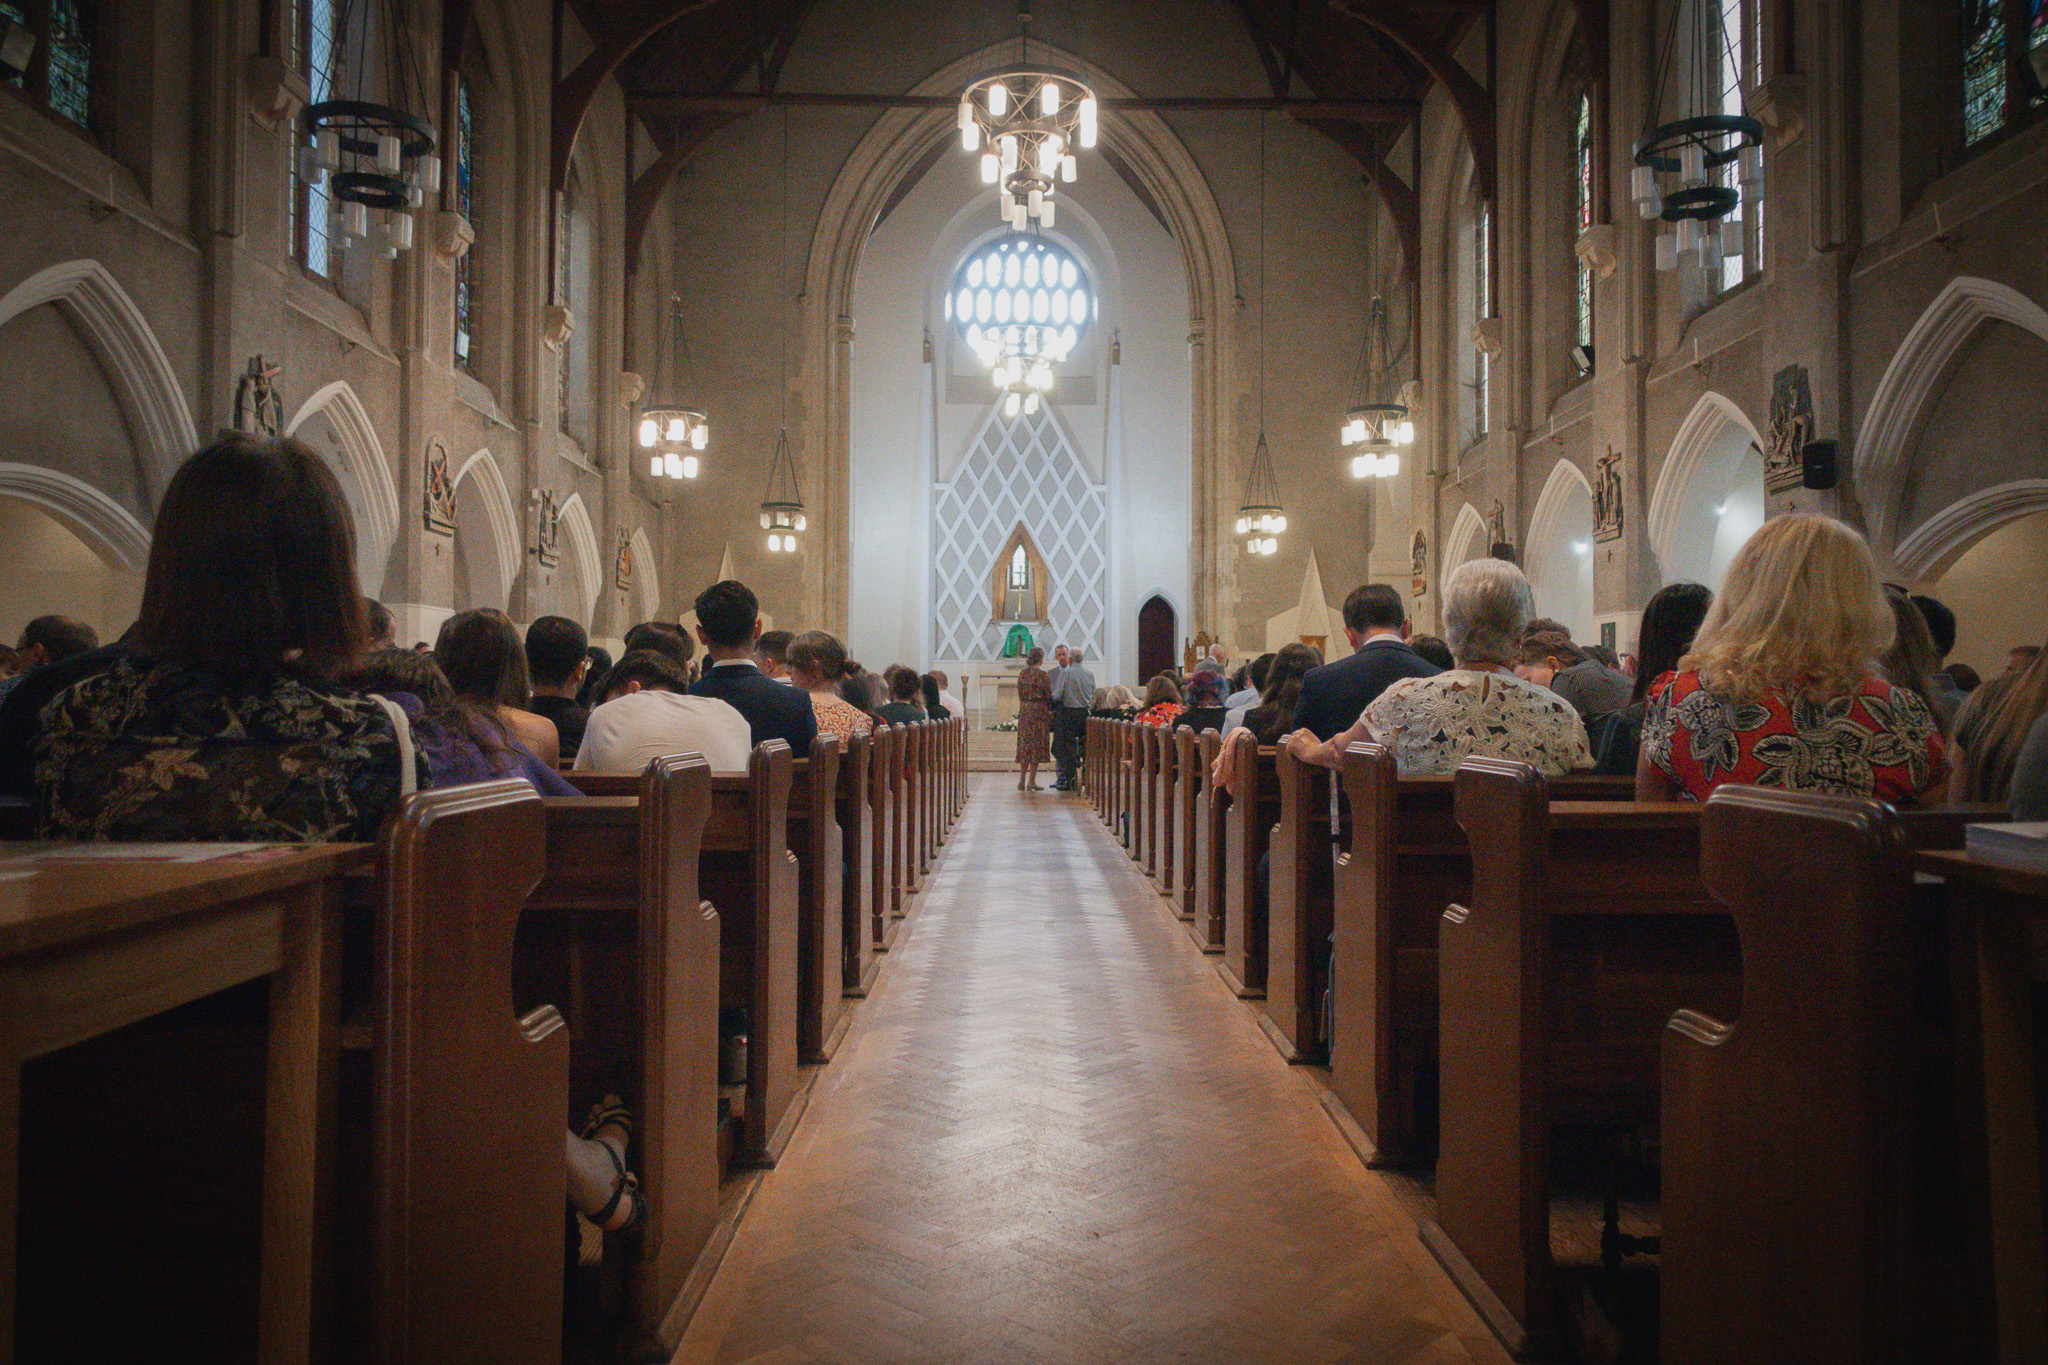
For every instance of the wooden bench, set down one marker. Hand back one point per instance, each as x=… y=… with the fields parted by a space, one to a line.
x=1794 y=1171
x=820 y=847
x=857 y=879
x=1131 y=783
x=1212 y=807
x=1190 y=782
x=1247 y=833
x=1165 y=780
x=617 y=932
x=1298 y=914
x=1404 y=860
x=884 y=775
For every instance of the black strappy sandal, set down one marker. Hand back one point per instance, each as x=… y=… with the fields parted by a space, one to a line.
x=610 y=1112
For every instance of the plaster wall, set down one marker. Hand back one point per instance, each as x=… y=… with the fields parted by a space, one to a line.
x=1994 y=590
x=51 y=570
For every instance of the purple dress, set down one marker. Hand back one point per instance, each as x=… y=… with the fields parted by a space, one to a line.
x=454 y=760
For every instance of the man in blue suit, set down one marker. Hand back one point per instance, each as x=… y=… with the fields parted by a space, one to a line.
x=1376 y=624
x=728 y=624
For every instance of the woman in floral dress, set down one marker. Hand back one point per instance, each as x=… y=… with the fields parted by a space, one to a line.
x=1034 y=719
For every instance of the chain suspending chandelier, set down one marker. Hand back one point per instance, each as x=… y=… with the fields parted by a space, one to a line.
x=782 y=507
x=1682 y=167
x=1378 y=431
x=1026 y=125
x=671 y=434
x=1260 y=518
x=374 y=156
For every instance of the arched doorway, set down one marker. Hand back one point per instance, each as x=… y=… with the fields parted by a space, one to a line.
x=1157 y=631
x=1709 y=498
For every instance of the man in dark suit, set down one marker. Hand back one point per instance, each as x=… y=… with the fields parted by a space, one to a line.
x=1376 y=624
x=728 y=624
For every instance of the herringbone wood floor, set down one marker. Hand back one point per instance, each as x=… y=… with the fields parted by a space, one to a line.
x=1052 y=1135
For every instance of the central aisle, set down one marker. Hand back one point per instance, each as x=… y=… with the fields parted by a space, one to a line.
x=1053 y=1135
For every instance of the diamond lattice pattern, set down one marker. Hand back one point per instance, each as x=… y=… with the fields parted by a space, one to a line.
x=1020 y=469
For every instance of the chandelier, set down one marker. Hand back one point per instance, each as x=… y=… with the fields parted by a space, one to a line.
x=672 y=434
x=1682 y=169
x=373 y=156
x=1024 y=379
x=1026 y=125
x=1377 y=430
x=1260 y=517
x=782 y=508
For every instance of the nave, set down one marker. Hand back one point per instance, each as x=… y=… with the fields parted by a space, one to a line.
x=1053 y=1135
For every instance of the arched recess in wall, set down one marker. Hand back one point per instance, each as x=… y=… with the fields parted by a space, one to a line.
x=108 y=529
x=1913 y=380
x=587 y=577
x=486 y=532
x=645 y=598
x=1709 y=497
x=1936 y=543
x=136 y=365
x=336 y=425
x=1465 y=543
x=1559 y=555
x=896 y=149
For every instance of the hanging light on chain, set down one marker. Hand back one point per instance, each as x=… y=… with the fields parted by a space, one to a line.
x=782 y=506
x=1027 y=125
x=672 y=435
x=1683 y=168
x=374 y=158
x=1377 y=431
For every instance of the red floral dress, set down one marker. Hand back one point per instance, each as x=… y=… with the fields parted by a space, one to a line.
x=1878 y=741
x=1164 y=714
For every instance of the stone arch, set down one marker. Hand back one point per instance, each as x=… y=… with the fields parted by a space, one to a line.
x=108 y=528
x=352 y=450
x=139 y=371
x=1937 y=542
x=895 y=150
x=574 y=521
x=484 y=518
x=645 y=598
x=1465 y=543
x=1913 y=380
x=1715 y=462
x=1560 y=571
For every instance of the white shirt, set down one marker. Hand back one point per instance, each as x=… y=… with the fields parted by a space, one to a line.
x=625 y=732
x=949 y=701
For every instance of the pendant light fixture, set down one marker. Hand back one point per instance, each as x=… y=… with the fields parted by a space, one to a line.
x=672 y=435
x=1026 y=125
x=1377 y=431
x=782 y=505
x=1681 y=172
x=376 y=157
x=1260 y=518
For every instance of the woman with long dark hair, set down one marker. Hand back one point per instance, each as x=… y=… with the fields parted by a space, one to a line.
x=485 y=661
x=462 y=741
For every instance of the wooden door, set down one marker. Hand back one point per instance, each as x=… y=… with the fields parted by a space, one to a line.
x=1157 y=630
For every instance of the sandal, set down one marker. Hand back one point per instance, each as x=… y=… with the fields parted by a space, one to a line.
x=611 y=1112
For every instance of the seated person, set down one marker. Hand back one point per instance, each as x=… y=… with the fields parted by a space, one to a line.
x=771 y=655
x=1912 y=662
x=462 y=741
x=2001 y=746
x=1549 y=659
x=663 y=637
x=1433 y=650
x=46 y=666
x=1782 y=689
x=728 y=624
x=47 y=640
x=480 y=654
x=1671 y=618
x=1205 y=710
x=1116 y=702
x=946 y=698
x=1161 y=705
x=906 y=690
x=818 y=663
x=556 y=658
x=224 y=722
x=1480 y=707
x=1272 y=719
x=934 y=709
x=646 y=711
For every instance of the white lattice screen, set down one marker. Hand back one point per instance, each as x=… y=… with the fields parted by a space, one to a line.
x=1020 y=469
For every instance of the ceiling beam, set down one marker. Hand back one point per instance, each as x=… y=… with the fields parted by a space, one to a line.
x=627 y=27
x=658 y=104
x=1473 y=101
x=1275 y=75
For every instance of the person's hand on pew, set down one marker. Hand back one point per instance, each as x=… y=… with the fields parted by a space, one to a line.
x=1224 y=770
x=1306 y=748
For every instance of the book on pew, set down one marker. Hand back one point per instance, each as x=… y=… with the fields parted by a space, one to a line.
x=2023 y=845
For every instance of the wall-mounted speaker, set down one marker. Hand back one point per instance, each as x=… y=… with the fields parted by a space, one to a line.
x=1582 y=357
x=1818 y=464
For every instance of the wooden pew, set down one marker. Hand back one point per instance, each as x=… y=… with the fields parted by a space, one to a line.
x=1793 y=1174
x=1299 y=912
x=1588 y=926
x=857 y=881
x=1247 y=832
x=1148 y=799
x=1212 y=808
x=469 y=1182
x=617 y=931
x=1190 y=780
x=1091 y=764
x=1405 y=859
x=747 y=871
x=884 y=772
x=1165 y=778
x=820 y=848
x=928 y=755
x=909 y=827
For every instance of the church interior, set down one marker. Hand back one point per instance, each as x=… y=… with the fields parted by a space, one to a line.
x=1070 y=680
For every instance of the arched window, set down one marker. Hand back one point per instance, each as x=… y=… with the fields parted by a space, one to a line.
x=1731 y=36
x=318 y=48
x=1021 y=580
x=1023 y=290
x=467 y=152
x=1482 y=309
x=1995 y=91
x=1582 y=190
x=66 y=72
x=573 y=291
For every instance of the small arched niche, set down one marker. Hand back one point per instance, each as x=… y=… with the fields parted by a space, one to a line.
x=1019 y=581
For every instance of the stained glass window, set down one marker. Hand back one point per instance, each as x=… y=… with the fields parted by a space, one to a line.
x=1582 y=162
x=1482 y=308
x=468 y=203
x=62 y=70
x=318 y=47
x=1016 y=283
x=1986 y=99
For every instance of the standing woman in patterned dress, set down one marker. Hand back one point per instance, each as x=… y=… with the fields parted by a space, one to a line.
x=1034 y=719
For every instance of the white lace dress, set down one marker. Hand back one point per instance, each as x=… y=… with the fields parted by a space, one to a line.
x=1433 y=723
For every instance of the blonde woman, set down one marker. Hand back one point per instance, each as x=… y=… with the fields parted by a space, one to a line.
x=1782 y=686
x=2002 y=743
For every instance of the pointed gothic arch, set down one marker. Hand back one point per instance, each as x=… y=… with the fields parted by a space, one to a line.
x=1039 y=579
x=574 y=519
x=644 y=600
x=1465 y=543
x=137 y=368
x=1560 y=571
x=1715 y=462
x=110 y=530
x=1937 y=542
x=351 y=448
x=498 y=534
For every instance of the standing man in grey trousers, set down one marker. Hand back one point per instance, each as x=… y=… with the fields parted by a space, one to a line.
x=1073 y=688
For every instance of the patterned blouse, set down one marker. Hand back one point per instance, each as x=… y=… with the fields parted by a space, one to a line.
x=1432 y=724
x=167 y=753
x=840 y=718
x=1164 y=714
x=1878 y=741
